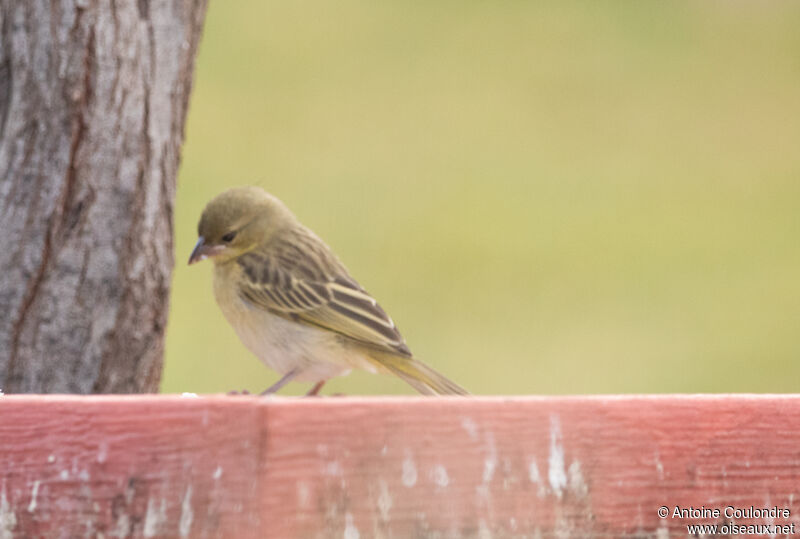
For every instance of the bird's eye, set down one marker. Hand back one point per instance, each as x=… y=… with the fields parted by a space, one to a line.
x=227 y=238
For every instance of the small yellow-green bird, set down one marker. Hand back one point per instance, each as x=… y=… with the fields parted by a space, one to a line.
x=292 y=302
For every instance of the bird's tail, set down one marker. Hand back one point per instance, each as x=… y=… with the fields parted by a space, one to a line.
x=418 y=375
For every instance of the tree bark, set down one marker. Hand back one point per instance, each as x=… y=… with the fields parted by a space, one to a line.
x=93 y=99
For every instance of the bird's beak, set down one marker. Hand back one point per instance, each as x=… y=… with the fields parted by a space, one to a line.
x=202 y=251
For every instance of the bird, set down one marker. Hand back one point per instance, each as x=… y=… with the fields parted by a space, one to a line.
x=293 y=303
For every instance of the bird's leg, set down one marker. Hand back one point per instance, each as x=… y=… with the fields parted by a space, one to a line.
x=280 y=383
x=314 y=391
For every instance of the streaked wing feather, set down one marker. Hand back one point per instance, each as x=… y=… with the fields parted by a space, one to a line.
x=302 y=280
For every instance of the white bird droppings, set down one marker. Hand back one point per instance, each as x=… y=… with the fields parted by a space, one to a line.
x=556 y=473
x=409 y=477
x=187 y=514
x=350 y=530
x=34 y=494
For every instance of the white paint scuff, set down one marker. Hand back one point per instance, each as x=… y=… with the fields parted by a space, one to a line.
x=409 y=477
x=556 y=472
x=34 y=494
x=187 y=514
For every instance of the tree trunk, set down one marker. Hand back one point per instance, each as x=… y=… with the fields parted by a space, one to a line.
x=93 y=98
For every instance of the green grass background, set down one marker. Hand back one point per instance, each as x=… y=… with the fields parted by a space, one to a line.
x=548 y=198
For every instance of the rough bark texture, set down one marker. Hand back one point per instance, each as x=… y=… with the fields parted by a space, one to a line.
x=93 y=98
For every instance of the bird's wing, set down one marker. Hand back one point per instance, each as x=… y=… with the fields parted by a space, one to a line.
x=299 y=278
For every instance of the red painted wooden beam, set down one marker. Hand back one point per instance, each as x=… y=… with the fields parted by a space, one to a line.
x=163 y=466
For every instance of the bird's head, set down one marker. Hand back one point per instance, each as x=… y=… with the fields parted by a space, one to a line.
x=236 y=222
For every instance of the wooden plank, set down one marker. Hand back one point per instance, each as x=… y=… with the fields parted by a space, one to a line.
x=162 y=466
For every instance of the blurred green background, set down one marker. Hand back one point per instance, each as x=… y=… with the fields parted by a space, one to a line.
x=548 y=198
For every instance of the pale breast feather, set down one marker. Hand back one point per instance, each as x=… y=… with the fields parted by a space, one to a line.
x=337 y=303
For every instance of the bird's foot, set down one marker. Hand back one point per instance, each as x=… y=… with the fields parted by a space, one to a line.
x=314 y=391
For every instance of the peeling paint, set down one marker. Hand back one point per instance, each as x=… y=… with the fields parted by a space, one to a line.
x=303 y=494
x=536 y=478
x=8 y=519
x=155 y=518
x=123 y=526
x=471 y=427
x=187 y=514
x=659 y=465
x=440 y=477
x=102 y=452
x=577 y=485
x=409 y=477
x=34 y=494
x=350 y=530
x=490 y=462
x=333 y=469
x=556 y=472
x=483 y=530
x=384 y=500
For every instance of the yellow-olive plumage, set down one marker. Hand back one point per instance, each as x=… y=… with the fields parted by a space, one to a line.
x=293 y=303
